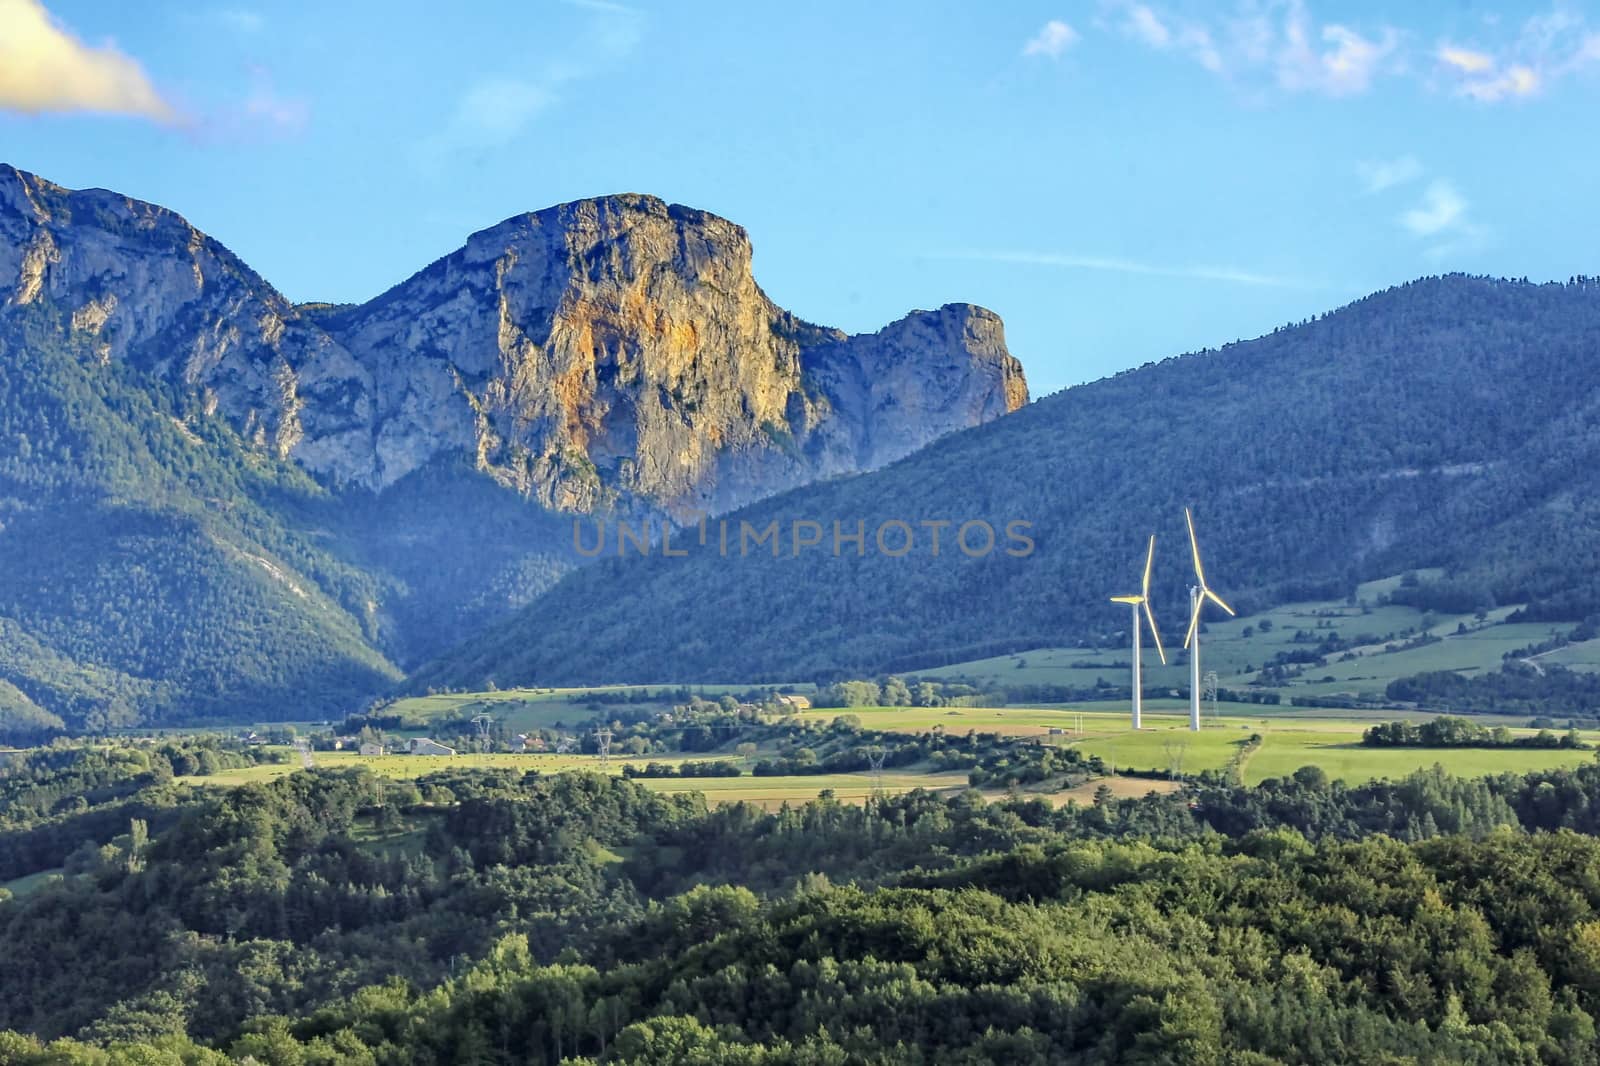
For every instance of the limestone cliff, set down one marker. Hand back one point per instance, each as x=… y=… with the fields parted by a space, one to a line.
x=135 y=283
x=609 y=350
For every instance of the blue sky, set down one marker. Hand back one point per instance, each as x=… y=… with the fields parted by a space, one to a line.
x=1121 y=181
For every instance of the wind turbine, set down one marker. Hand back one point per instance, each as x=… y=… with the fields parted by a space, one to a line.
x=1199 y=593
x=1136 y=602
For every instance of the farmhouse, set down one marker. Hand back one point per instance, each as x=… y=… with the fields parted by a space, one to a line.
x=425 y=746
x=371 y=747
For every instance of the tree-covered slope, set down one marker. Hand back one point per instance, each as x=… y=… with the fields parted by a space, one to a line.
x=145 y=571
x=1451 y=422
x=214 y=502
x=504 y=917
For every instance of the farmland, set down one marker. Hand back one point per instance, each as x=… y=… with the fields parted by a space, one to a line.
x=1290 y=739
x=1384 y=641
x=764 y=791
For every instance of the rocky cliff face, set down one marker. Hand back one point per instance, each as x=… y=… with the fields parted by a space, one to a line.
x=608 y=350
x=135 y=283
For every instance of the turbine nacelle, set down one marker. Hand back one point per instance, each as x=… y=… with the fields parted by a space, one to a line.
x=1202 y=592
x=1142 y=599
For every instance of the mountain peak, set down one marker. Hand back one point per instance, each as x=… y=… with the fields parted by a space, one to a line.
x=602 y=350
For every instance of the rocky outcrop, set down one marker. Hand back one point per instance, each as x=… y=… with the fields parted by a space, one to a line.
x=136 y=283
x=609 y=350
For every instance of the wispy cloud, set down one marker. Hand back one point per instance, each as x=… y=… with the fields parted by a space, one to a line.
x=1381 y=174
x=1513 y=81
x=1441 y=218
x=1465 y=59
x=1262 y=46
x=1131 y=266
x=1344 y=63
x=1543 y=50
x=495 y=109
x=1279 y=45
x=1442 y=208
x=44 y=67
x=1166 y=32
x=1052 y=40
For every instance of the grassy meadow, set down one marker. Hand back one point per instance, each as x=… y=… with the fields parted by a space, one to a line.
x=1235 y=648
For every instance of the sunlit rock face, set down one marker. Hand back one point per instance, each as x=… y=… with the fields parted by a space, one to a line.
x=605 y=350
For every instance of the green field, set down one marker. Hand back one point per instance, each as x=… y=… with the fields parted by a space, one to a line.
x=1291 y=738
x=523 y=710
x=767 y=791
x=1465 y=644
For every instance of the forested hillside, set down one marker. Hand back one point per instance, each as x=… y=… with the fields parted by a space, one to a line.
x=1453 y=422
x=507 y=918
x=217 y=503
x=145 y=573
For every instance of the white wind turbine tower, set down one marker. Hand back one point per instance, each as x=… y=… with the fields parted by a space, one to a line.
x=1199 y=593
x=1136 y=602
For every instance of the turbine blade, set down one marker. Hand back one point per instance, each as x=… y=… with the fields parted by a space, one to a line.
x=1149 y=560
x=1194 y=620
x=1194 y=546
x=1134 y=600
x=1155 y=633
x=1218 y=601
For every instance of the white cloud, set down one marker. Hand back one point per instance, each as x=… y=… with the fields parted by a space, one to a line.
x=497 y=109
x=1279 y=44
x=1442 y=209
x=1131 y=266
x=1054 y=39
x=1380 y=174
x=1147 y=26
x=1513 y=81
x=1465 y=59
x=1543 y=51
x=43 y=67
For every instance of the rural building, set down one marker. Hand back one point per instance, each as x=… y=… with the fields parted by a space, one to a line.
x=372 y=747
x=425 y=746
x=799 y=703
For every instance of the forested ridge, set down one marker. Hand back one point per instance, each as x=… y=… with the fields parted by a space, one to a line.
x=502 y=917
x=157 y=567
x=1453 y=422
x=160 y=567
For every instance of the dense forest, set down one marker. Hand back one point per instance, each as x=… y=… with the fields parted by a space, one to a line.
x=158 y=567
x=501 y=917
x=1451 y=423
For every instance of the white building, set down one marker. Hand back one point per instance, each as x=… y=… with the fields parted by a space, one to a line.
x=425 y=746
x=371 y=747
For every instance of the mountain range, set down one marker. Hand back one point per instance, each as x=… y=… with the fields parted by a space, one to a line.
x=1450 y=423
x=217 y=502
